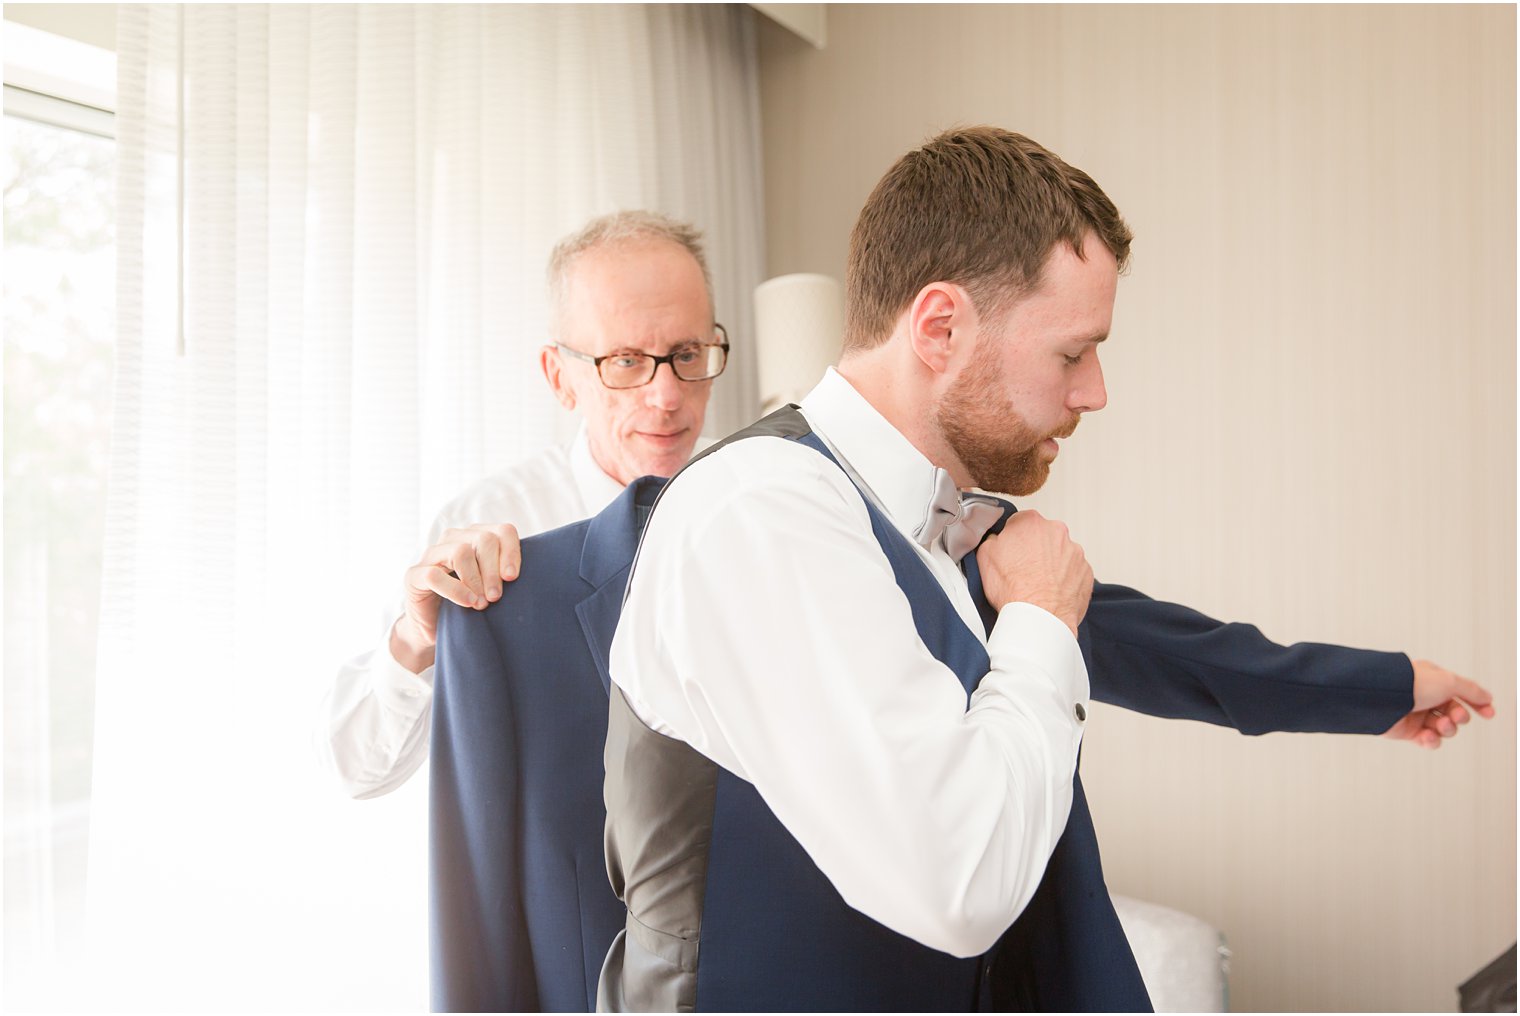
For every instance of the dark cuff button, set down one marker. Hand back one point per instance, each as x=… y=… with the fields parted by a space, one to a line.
x=1081 y=713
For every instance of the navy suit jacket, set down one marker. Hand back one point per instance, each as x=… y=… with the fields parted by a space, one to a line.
x=521 y=910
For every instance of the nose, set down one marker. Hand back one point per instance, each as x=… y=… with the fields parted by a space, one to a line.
x=1089 y=394
x=664 y=391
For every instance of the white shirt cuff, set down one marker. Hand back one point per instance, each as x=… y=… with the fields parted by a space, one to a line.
x=1032 y=636
x=398 y=688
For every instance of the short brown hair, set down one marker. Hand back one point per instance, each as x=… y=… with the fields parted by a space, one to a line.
x=978 y=206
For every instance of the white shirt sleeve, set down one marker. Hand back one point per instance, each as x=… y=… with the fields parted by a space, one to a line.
x=764 y=627
x=377 y=715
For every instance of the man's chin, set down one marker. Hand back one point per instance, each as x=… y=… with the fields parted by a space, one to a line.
x=1023 y=482
x=1032 y=484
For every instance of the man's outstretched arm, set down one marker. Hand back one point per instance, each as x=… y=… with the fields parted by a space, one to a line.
x=1168 y=660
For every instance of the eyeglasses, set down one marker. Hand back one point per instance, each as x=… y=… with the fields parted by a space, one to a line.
x=690 y=361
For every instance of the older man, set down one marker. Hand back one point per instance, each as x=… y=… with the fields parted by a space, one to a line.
x=628 y=292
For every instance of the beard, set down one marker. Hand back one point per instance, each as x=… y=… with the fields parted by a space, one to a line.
x=997 y=446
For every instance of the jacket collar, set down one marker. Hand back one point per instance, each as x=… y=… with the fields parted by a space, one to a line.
x=612 y=540
x=613 y=535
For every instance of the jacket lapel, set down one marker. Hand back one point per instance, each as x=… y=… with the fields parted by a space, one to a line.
x=612 y=540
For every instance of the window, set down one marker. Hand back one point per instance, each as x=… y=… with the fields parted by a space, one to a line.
x=59 y=291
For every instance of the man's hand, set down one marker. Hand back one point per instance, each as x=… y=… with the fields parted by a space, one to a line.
x=467 y=567
x=1441 y=705
x=1033 y=560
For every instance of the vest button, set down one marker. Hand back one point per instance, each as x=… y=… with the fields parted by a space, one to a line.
x=1081 y=713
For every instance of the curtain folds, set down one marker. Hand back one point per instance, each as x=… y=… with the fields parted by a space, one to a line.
x=333 y=222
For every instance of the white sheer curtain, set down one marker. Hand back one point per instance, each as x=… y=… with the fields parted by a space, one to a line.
x=344 y=337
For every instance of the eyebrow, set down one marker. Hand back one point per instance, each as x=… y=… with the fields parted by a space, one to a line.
x=635 y=349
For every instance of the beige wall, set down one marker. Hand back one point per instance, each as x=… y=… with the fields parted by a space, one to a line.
x=1311 y=422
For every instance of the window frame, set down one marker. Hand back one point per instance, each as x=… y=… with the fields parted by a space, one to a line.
x=56 y=111
x=73 y=96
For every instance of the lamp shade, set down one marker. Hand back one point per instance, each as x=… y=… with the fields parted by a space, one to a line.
x=799 y=327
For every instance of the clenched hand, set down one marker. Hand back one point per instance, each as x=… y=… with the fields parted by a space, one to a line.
x=467 y=567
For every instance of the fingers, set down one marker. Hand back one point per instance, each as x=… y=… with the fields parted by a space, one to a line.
x=1445 y=720
x=1443 y=723
x=482 y=557
x=510 y=554
x=463 y=563
x=438 y=580
x=1436 y=687
x=1475 y=695
x=465 y=552
x=1454 y=712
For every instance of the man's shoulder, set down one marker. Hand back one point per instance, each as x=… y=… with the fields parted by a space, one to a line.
x=549 y=465
x=740 y=466
x=767 y=481
x=535 y=494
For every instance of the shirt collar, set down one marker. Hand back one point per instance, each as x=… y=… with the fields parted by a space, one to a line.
x=897 y=474
x=596 y=488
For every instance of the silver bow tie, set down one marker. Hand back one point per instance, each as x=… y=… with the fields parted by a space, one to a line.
x=963 y=518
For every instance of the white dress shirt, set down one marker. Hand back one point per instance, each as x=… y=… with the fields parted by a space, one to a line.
x=764 y=627
x=377 y=713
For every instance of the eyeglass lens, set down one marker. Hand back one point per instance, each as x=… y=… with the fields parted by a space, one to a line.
x=693 y=362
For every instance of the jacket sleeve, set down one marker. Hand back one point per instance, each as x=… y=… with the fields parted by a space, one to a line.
x=1168 y=660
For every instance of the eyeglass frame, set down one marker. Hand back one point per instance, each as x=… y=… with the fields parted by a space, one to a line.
x=670 y=358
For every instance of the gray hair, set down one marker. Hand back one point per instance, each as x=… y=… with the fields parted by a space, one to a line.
x=611 y=230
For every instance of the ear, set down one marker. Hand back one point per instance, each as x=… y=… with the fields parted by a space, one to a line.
x=941 y=323
x=554 y=373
